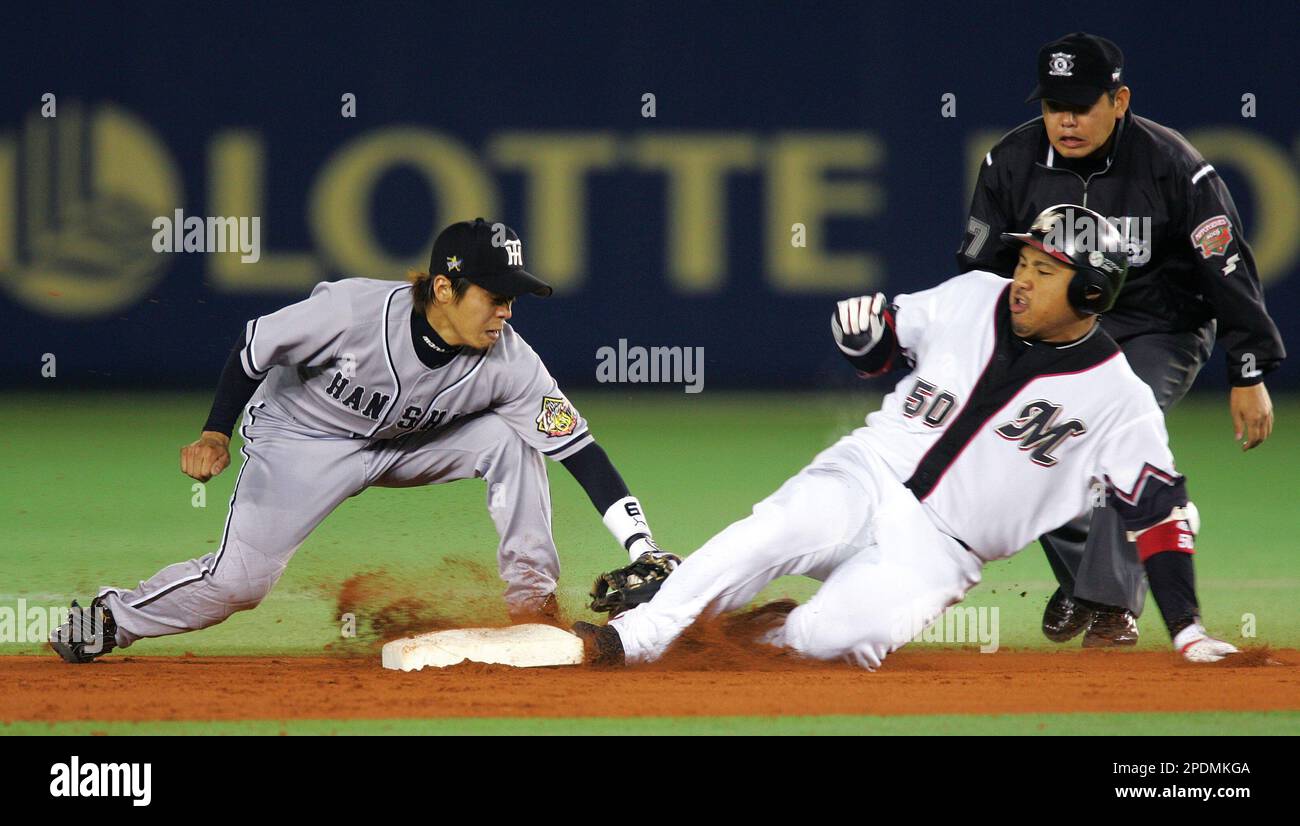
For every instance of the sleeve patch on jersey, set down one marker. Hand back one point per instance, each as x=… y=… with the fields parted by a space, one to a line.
x=1212 y=237
x=558 y=418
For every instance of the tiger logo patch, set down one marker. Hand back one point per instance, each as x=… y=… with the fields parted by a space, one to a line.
x=558 y=418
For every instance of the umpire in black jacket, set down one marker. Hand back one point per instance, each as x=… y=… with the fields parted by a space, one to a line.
x=1190 y=267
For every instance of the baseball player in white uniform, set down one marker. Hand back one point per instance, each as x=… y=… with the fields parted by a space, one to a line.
x=373 y=383
x=1017 y=414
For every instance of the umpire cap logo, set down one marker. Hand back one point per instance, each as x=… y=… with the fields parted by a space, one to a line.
x=1061 y=65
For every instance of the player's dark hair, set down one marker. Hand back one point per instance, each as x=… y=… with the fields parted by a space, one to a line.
x=422 y=292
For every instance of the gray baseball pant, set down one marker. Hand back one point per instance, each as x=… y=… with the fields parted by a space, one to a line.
x=1091 y=556
x=289 y=482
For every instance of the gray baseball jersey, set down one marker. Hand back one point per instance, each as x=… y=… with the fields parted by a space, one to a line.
x=346 y=404
x=341 y=363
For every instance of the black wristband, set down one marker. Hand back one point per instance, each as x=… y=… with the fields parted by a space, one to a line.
x=880 y=358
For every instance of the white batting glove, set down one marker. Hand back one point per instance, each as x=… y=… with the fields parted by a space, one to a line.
x=858 y=323
x=1197 y=646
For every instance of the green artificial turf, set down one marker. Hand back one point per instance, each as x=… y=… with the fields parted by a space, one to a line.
x=92 y=495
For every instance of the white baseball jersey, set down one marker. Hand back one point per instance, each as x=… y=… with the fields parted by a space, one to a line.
x=341 y=363
x=990 y=440
x=1002 y=439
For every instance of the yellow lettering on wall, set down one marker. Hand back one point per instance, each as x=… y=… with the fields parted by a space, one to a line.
x=90 y=196
x=37 y=137
x=236 y=187
x=68 y=196
x=1271 y=173
x=556 y=164
x=339 y=212
x=798 y=192
x=8 y=207
x=697 y=166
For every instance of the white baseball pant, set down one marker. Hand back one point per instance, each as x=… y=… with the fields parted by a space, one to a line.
x=846 y=520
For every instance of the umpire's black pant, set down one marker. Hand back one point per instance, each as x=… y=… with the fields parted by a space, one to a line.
x=1091 y=556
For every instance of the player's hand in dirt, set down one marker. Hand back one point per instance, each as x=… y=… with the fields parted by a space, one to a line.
x=1252 y=415
x=206 y=456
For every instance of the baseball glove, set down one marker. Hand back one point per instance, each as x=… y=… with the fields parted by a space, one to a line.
x=626 y=588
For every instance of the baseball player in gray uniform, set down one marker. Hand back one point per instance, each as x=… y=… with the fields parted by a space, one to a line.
x=373 y=383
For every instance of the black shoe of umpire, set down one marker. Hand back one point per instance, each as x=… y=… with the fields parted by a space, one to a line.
x=1064 y=618
x=1111 y=627
x=88 y=633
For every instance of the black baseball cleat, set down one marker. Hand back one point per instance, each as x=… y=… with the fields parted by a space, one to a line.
x=601 y=644
x=1064 y=618
x=88 y=633
x=1111 y=627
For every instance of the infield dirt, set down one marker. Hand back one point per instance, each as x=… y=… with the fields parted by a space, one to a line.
x=692 y=682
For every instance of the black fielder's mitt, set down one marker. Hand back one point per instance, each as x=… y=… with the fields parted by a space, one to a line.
x=626 y=588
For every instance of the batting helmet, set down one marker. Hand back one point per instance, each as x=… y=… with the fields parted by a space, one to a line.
x=1086 y=241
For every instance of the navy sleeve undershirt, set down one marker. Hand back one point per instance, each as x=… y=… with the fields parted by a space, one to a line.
x=234 y=389
x=597 y=475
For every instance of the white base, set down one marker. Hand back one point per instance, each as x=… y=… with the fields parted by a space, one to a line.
x=522 y=646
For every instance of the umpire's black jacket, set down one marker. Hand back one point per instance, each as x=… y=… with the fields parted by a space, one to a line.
x=1194 y=264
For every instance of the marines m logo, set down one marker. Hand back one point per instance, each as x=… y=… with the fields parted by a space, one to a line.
x=1036 y=430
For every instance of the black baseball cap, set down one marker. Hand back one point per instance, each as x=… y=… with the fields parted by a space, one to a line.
x=487 y=254
x=1077 y=68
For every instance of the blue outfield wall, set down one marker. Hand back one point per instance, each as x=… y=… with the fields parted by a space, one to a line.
x=672 y=230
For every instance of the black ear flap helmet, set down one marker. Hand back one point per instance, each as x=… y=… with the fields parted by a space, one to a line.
x=1086 y=241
